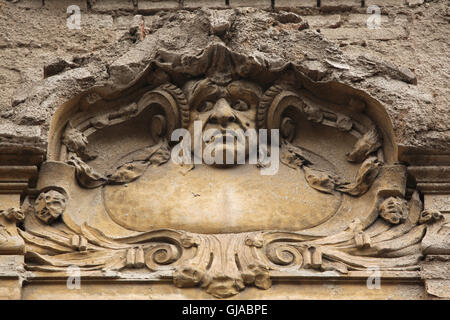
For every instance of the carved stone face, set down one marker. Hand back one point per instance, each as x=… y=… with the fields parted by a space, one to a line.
x=50 y=205
x=394 y=210
x=430 y=215
x=228 y=109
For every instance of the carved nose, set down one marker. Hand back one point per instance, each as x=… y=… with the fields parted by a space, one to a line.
x=222 y=113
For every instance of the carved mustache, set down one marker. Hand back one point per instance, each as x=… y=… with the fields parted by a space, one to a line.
x=237 y=121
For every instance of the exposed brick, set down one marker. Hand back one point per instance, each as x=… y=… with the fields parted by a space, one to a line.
x=30 y=4
x=296 y=3
x=204 y=3
x=108 y=5
x=64 y=4
x=251 y=3
x=157 y=4
x=364 y=33
x=385 y=3
x=324 y=21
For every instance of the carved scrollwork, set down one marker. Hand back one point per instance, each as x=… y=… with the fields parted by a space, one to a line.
x=224 y=275
x=138 y=198
x=285 y=255
x=287 y=129
x=181 y=101
x=366 y=175
x=266 y=102
x=278 y=98
x=173 y=112
x=161 y=255
x=223 y=264
x=172 y=101
x=54 y=249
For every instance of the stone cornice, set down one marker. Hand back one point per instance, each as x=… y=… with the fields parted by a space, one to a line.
x=431 y=179
x=16 y=179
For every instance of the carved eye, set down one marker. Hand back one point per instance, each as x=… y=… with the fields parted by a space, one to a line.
x=241 y=106
x=205 y=106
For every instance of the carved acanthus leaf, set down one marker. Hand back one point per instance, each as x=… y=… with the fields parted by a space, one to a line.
x=326 y=181
x=223 y=264
x=13 y=214
x=293 y=156
x=368 y=143
x=128 y=172
x=86 y=176
x=320 y=180
x=77 y=142
x=366 y=175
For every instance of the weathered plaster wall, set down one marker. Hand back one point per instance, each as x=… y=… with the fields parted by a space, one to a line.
x=410 y=47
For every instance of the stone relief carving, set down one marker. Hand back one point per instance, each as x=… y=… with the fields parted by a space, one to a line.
x=49 y=206
x=394 y=210
x=430 y=216
x=335 y=204
x=367 y=144
x=10 y=241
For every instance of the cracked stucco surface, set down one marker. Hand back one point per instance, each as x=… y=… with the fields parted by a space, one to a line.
x=107 y=54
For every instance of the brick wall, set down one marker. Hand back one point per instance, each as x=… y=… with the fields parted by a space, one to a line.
x=110 y=5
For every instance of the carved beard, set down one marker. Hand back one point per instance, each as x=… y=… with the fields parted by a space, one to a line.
x=48 y=215
x=230 y=150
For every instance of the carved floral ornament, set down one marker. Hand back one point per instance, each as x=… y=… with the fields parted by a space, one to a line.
x=111 y=199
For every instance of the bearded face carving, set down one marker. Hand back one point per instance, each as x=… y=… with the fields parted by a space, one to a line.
x=50 y=205
x=222 y=225
x=229 y=110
